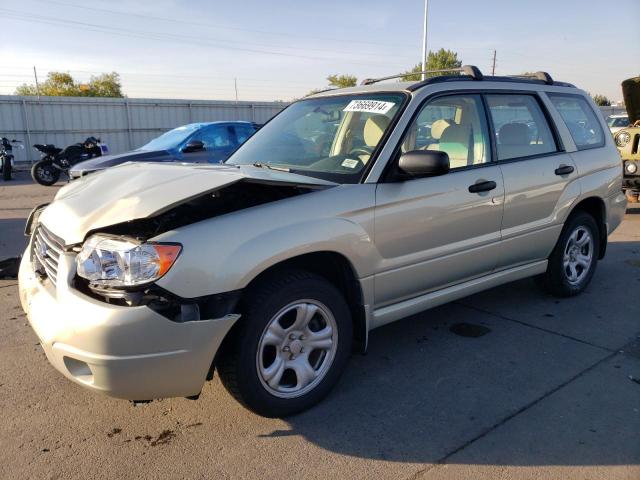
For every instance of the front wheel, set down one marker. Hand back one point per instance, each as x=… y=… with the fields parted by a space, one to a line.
x=574 y=258
x=44 y=173
x=290 y=346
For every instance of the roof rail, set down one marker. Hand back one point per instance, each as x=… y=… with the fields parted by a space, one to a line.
x=470 y=70
x=320 y=91
x=542 y=76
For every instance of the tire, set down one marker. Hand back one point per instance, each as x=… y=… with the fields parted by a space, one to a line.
x=568 y=273
x=254 y=355
x=6 y=169
x=44 y=173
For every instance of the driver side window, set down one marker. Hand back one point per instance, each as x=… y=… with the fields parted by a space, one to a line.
x=214 y=137
x=453 y=124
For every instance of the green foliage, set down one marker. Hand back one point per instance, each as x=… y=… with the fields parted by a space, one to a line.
x=601 y=100
x=342 y=81
x=60 y=84
x=439 y=60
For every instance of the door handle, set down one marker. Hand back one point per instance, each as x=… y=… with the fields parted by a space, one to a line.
x=564 y=170
x=483 y=186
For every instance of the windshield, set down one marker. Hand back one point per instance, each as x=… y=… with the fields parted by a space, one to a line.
x=332 y=138
x=170 y=139
x=618 y=121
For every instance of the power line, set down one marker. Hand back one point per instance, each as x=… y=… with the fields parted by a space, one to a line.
x=164 y=36
x=224 y=27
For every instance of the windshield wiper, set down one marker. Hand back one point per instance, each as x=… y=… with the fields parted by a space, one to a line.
x=270 y=167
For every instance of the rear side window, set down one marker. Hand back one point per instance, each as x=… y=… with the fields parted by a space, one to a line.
x=520 y=127
x=580 y=119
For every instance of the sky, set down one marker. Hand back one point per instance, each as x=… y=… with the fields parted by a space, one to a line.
x=282 y=49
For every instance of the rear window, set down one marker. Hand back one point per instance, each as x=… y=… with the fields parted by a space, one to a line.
x=580 y=119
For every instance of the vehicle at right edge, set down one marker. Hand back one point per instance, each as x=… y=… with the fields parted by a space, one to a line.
x=627 y=140
x=350 y=209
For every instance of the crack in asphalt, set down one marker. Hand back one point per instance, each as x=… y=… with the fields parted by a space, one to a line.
x=612 y=353
x=525 y=324
x=442 y=461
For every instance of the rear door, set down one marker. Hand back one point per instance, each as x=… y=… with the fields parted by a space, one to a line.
x=437 y=231
x=538 y=176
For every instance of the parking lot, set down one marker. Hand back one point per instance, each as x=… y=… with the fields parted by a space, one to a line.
x=529 y=386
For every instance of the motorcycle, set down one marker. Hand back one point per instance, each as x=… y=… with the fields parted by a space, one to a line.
x=56 y=161
x=6 y=156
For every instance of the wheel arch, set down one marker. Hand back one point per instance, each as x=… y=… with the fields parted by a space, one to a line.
x=335 y=268
x=595 y=207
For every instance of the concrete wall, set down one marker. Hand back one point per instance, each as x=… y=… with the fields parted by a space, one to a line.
x=123 y=123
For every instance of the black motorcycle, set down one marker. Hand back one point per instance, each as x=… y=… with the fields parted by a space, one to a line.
x=6 y=156
x=56 y=161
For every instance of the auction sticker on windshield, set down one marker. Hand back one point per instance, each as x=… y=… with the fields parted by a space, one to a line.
x=369 y=106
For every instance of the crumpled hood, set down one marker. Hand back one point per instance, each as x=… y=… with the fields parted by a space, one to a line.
x=135 y=191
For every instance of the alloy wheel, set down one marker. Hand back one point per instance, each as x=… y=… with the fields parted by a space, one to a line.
x=297 y=348
x=578 y=255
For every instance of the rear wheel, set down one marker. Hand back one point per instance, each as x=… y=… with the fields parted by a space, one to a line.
x=290 y=346
x=5 y=164
x=44 y=173
x=574 y=258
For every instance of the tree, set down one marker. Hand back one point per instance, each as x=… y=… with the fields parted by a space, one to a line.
x=601 y=100
x=105 y=85
x=61 y=84
x=342 y=81
x=440 y=60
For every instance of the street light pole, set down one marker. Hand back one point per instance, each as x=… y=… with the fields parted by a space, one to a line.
x=424 y=40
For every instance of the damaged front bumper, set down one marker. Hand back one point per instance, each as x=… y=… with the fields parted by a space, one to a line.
x=127 y=352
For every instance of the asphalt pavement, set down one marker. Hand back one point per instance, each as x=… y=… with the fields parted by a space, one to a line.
x=508 y=383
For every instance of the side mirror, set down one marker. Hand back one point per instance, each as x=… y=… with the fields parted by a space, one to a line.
x=193 y=146
x=424 y=163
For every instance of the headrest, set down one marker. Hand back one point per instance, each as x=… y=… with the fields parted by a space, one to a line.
x=455 y=133
x=374 y=127
x=438 y=127
x=514 y=134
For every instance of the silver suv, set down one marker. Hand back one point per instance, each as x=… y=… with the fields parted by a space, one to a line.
x=350 y=209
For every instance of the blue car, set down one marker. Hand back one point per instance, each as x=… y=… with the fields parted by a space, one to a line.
x=210 y=142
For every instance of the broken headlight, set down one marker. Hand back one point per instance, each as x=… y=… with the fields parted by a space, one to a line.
x=119 y=262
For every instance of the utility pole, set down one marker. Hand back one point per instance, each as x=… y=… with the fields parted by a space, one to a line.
x=235 y=84
x=493 y=68
x=424 y=40
x=35 y=74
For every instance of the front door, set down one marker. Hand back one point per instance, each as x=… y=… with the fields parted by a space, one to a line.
x=438 y=231
x=219 y=142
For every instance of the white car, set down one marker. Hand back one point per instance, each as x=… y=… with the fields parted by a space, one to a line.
x=617 y=122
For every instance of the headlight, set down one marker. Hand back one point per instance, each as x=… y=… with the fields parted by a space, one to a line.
x=631 y=167
x=118 y=262
x=622 y=139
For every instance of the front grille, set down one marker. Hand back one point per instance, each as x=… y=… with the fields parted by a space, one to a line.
x=46 y=249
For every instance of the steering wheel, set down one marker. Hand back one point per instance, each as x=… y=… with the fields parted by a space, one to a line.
x=361 y=151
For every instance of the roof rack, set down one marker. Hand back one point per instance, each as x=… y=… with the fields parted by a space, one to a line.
x=542 y=76
x=470 y=70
